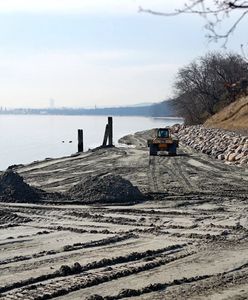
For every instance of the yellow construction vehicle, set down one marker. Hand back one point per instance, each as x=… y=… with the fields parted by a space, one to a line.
x=163 y=141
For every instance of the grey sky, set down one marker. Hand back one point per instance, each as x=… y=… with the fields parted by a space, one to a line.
x=95 y=52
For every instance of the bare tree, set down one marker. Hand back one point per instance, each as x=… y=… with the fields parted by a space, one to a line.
x=214 y=12
x=209 y=83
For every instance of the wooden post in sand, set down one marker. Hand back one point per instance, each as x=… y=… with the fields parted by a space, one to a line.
x=80 y=141
x=110 y=129
x=106 y=135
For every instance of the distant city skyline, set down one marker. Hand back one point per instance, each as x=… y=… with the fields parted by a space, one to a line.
x=82 y=53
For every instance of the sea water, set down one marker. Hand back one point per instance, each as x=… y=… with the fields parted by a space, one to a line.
x=27 y=138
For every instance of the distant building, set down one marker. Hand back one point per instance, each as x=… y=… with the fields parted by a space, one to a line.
x=51 y=103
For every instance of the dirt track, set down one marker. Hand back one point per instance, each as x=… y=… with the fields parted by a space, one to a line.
x=190 y=241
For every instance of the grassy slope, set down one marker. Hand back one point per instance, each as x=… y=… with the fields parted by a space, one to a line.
x=232 y=117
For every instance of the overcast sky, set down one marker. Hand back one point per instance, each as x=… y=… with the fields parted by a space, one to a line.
x=95 y=52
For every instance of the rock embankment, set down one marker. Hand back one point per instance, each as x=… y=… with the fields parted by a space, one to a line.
x=224 y=145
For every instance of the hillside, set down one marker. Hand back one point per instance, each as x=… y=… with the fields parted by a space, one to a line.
x=232 y=117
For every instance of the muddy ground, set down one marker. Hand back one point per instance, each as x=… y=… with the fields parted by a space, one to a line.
x=189 y=241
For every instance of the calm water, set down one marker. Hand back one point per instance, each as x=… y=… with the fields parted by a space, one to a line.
x=24 y=139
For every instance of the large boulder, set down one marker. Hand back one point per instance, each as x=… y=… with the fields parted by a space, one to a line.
x=14 y=189
x=105 y=189
x=231 y=157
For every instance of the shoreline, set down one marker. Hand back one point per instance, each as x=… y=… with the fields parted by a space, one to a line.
x=134 y=150
x=26 y=141
x=195 y=223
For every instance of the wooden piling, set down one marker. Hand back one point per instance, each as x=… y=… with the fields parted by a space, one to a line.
x=110 y=129
x=106 y=135
x=80 y=141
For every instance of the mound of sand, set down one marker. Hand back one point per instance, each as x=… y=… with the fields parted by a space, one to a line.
x=14 y=189
x=106 y=189
x=232 y=117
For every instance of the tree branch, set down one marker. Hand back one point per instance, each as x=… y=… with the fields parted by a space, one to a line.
x=218 y=10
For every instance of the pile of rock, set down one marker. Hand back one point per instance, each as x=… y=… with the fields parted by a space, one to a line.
x=105 y=189
x=224 y=145
x=14 y=189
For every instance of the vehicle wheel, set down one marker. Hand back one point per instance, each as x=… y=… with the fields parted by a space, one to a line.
x=153 y=150
x=173 y=150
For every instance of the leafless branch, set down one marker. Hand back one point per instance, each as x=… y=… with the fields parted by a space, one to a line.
x=217 y=36
x=214 y=12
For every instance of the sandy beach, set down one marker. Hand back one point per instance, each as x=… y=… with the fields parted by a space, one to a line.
x=189 y=240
